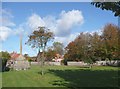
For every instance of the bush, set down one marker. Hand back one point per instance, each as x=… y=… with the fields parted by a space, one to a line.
x=64 y=62
x=0 y=65
x=118 y=64
x=4 y=62
x=29 y=60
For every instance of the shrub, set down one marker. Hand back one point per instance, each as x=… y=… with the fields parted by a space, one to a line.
x=64 y=62
x=118 y=64
x=4 y=62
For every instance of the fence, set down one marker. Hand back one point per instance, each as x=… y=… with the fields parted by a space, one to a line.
x=70 y=63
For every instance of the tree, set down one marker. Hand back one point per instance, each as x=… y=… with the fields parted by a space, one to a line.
x=92 y=47
x=50 y=54
x=79 y=49
x=39 y=39
x=118 y=44
x=110 y=37
x=96 y=45
x=4 y=56
x=71 y=51
x=113 y=6
x=27 y=57
x=58 y=47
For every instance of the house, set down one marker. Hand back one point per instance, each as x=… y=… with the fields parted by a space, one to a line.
x=15 y=56
x=58 y=58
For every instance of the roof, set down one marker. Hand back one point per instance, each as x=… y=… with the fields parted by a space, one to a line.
x=14 y=55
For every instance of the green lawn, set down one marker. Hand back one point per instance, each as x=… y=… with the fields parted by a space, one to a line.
x=62 y=76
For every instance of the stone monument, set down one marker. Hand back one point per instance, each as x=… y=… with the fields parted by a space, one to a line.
x=18 y=61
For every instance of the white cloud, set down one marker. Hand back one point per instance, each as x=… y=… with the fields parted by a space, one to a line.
x=67 y=39
x=98 y=31
x=5 y=18
x=4 y=33
x=35 y=21
x=61 y=26
x=6 y=13
x=21 y=29
x=67 y=21
x=6 y=24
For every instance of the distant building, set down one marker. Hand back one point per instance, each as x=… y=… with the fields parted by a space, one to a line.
x=58 y=58
x=15 y=56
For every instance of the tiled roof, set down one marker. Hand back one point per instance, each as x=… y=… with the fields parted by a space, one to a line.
x=14 y=55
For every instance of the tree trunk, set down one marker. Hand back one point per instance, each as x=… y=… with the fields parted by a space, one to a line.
x=40 y=60
x=42 y=73
x=42 y=63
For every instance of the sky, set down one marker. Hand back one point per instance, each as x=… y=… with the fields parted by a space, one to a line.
x=65 y=19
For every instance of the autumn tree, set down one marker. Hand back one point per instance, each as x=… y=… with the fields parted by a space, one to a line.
x=71 y=52
x=90 y=47
x=80 y=48
x=96 y=45
x=83 y=44
x=50 y=54
x=39 y=39
x=110 y=37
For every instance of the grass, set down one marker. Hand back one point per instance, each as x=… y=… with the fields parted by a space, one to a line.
x=62 y=76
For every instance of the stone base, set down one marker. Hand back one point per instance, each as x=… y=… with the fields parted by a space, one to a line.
x=21 y=65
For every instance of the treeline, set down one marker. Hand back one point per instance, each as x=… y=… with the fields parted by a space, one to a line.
x=90 y=47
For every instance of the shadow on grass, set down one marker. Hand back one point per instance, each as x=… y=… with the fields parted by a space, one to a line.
x=85 y=78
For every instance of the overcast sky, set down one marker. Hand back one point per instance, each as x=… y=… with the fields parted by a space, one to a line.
x=66 y=20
